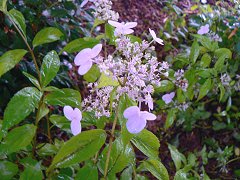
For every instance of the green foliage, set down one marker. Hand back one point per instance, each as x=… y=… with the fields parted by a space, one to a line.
x=8 y=169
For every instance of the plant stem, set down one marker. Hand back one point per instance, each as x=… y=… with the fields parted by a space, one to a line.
x=28 y=46
x=110 y=144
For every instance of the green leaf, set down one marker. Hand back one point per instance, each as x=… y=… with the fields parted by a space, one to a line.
x=194 y=53
x=47 y=35
x=156 y=168
x=222 y=91
x=147 y=143
x=80 y=44
x=8 y=169
x=9 y=59
x=61 y=122
x=178 y=158
x=206 y=42
x=43 y=111
x=32 y=169
x=121 y=156
x=180 y=95
x=127 y=174
x=171 y=116
x=50 y=67
x=18 y=139
x=32 y=79
x=205 y=89
x=98 y=22
x=79 y=148
x=109 y=31
x=182 y=173
x=64 y=97
x=18 y=19
x=20 y=106
x=3 y=5
x=87 y=172
x=107 y=80
x=165 y=86
x=93 y=74
x=223 y=52
x=47 y=149
x=205 y=60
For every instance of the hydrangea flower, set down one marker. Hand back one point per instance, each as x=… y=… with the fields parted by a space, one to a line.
x=75 y=116
x=84 y=58
x=123 y=28
x=203 y=29
x=167 y=98
x=155 y=38
x=136 y=119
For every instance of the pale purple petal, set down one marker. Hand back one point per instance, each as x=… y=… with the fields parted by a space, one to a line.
x=158 y=40
x=76 y=127
x=129 y=25
x=115 y=23
x=96 y=50
x=172 y=94
x=153 y=34
x=203 y=29
x=84 y=3
x=127 y=31
x=83 y=69
x=68 y=112
x=147 y=115
x=167 y=98
x=132 y=111
x=135 y=126
x=82 y=56
x=77 y=114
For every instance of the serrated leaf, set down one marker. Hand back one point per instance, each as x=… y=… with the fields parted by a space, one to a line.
x=63 y=97
x=80 y=44
x=178 y=158
x=47 y=35
x=106 y=80
x=205 y=88
x=79 y=148
x=194 y=53
x=50 y=67
x=147 y=142
x=20 y=106
x=18 y=19
x=8 y=169
x=17 y=139
x=9 y=59
x=156 y=168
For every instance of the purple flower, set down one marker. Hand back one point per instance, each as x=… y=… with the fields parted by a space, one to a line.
x=122 y=28
x=136 y=119
x=167 y=98
x=203 y=29
x=84 y=58
x=155 y=38
x=75 y=116
x=85 y=2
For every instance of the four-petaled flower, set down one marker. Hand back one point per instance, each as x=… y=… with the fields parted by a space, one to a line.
x=136 y=119
x=75 y=116
x=123 y=28
x=85 y=2
x=203 y=29
x=84 y=58
x=167 y=98
x=155 y=38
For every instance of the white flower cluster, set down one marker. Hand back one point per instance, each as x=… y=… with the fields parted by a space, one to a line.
x=180 y=81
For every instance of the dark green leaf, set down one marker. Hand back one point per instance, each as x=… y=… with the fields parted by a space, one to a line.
x=80 y=44
x=18 y=19
x=156 y=168
x=88 y=172
x=79 y=148
x=20 y=106
x=127 y=174
x=7 y=169
x=32 y=79
x=205 y=89
x=50 y=67
x=32 y=169
x=17 y=139
x=61 y=122
x=195 y=50
x=109 y=31
x=223 y=52
x=171 y=115
x=178 y=158
x=165 y=86
x=93 y=74
x=147 y=142
x=9 y=59
x=205 y=60
x=47 y=35
x=64 y=97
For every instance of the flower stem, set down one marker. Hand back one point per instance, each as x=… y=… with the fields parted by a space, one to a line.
x=110 y=144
